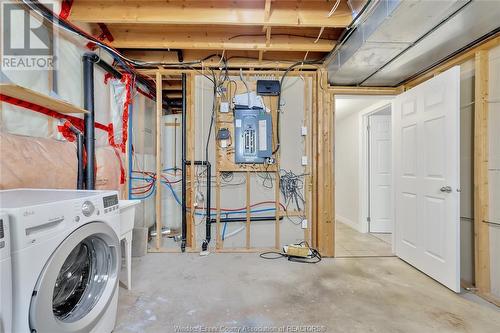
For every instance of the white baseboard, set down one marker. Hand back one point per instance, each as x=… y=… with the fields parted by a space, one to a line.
x=355 y=225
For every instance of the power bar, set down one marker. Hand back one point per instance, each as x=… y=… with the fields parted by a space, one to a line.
x=296 y=251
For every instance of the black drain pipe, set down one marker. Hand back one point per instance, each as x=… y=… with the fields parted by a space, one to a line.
x=88 y=104
x=79 y=150
x=79 y=154
x=183 y=158
x=89 y=60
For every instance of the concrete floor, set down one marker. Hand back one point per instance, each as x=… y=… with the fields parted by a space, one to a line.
x=173 y=291
x=352 y=243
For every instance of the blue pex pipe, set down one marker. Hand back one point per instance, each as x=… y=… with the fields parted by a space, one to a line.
x=176 y=197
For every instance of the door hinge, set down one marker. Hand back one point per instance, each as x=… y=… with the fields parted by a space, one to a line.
x=368 y=219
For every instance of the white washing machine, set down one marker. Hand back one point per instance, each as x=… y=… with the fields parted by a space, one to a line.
x=65 y=259
x=5 y=276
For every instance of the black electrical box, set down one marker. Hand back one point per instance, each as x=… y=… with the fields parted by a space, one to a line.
x=223 y=134
x=268 y=87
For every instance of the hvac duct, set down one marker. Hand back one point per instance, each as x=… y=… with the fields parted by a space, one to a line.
x=387 y=46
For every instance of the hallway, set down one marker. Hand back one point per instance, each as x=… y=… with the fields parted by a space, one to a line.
x=352 y=243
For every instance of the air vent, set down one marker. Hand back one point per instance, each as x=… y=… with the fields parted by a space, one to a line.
x=1 y=229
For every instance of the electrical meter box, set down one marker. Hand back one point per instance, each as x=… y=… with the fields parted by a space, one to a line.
x=253 y=135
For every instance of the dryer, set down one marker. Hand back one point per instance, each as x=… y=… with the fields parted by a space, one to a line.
x=65 y=259
x=5 y=276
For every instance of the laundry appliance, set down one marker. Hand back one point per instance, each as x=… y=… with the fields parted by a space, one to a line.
x=65 y=254
x=5 y=276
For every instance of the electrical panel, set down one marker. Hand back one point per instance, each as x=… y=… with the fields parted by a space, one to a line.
x=253 y=135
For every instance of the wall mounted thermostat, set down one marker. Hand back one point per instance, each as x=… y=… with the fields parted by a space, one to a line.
x=253 y=135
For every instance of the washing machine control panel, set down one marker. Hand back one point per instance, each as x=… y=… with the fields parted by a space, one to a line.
x=110 y=203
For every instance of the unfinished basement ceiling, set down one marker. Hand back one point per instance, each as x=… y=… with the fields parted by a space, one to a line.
x=399 y=39
x=256 y=34
x=258 y=30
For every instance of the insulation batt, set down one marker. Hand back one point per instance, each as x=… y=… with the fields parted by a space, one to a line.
x=36 y=162
x=29 y=162
x=108 y=170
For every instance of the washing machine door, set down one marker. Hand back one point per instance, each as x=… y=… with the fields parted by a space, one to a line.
x=78 y=282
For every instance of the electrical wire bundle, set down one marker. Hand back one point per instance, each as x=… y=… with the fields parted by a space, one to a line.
x=291 y=186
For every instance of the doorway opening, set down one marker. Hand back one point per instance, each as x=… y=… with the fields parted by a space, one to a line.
x=363 y=198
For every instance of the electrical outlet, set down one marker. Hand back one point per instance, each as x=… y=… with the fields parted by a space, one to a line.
x=304 y=160
x=303 y=130
x=224 y=107
x=303 y=224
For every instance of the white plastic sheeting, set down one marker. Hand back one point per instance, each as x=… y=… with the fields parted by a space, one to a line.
x=66 y=82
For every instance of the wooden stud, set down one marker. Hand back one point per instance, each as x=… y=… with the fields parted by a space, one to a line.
x=219 y=243
x=248 y=198
x=481 y=196
x=307 y=168
x=159 y=113
x=315 y=161
x=325 y=223
x=190 y=95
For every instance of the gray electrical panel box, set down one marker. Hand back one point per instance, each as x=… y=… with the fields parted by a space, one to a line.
x=253 y=135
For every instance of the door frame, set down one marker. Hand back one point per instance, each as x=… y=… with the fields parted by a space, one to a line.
x=364 y=166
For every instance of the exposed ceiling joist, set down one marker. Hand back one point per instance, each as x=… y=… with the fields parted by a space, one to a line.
x=190 y=12
x=200 y=40
x=236 y=59
x=171 y=85
x=173 y=95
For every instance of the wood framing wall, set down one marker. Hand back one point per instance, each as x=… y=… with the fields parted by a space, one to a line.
x=321 y=180
x=319 y=189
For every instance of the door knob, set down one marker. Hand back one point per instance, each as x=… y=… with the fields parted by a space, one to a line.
x=446 y=189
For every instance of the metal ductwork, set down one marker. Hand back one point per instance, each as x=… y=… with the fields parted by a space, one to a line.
x=399 y=38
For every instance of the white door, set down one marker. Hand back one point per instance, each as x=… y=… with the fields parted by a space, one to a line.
x=426 y=177
x=380 y=174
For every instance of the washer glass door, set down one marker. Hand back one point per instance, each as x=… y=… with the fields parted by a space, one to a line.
x=78 y=282
x=82 y=279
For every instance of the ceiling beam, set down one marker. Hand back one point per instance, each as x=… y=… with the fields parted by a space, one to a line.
x=237 y=59
x=172 y=85
x=173 y=95
x=201 y=40
x=191 y=12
